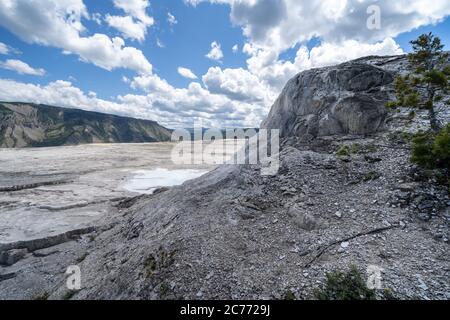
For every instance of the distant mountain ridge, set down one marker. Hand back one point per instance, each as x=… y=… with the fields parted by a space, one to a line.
x=37 y=125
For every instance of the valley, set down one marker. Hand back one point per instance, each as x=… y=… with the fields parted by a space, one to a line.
x=48 y=191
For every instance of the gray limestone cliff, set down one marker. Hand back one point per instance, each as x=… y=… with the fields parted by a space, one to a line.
x=345 y=99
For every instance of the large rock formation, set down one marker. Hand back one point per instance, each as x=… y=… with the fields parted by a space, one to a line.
x=345 y=99
x=31 y=125
x=236 y=234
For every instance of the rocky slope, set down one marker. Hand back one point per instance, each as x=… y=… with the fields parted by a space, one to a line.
x=31 y=125
x=235 y=234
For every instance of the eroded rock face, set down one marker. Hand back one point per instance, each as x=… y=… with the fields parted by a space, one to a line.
x=346 y=99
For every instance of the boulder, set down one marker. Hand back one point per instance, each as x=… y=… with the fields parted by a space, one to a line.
x=346 y=99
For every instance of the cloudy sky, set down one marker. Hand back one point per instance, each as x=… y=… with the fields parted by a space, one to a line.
x=222 y=61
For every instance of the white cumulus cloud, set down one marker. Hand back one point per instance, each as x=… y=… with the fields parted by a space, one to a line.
x=136 y=9
x=280 y=24
x=135 y=24
x=216 y=52
x=187 y=73
x=58 y=23
x=21 y=67
x=161 y=102
x=128 y=27
x=236 y=84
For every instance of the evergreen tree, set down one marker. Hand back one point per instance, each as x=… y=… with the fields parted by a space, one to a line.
x=427 y=85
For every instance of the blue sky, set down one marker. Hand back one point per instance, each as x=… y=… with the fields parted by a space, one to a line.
x=236 y=89
x=185 y=44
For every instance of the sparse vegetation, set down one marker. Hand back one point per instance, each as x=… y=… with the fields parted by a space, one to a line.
x=407 y=136
x=388 y=294
x=349 y=285
x=156 y=262
x=344 y=151
x=42 y=296
x=432 y=151
x=372 y=175
x=69 y=295
x=401 y=137
x=355 y=148
x=164 y=289
x=289 y=295
x=424 y=88
x=368 y=148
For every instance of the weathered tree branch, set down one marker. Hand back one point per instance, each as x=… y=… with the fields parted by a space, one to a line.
x=323 y=249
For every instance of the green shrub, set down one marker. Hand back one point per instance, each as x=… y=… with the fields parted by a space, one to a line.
x=42 y=296
x=406 y=136
x=348 y=285
x=432 y=151
x=391 y=105
x=355 y=148
x=344 y=151
x=69 y=294
x=441 y=148
x=289 y=296
x=157 y=262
